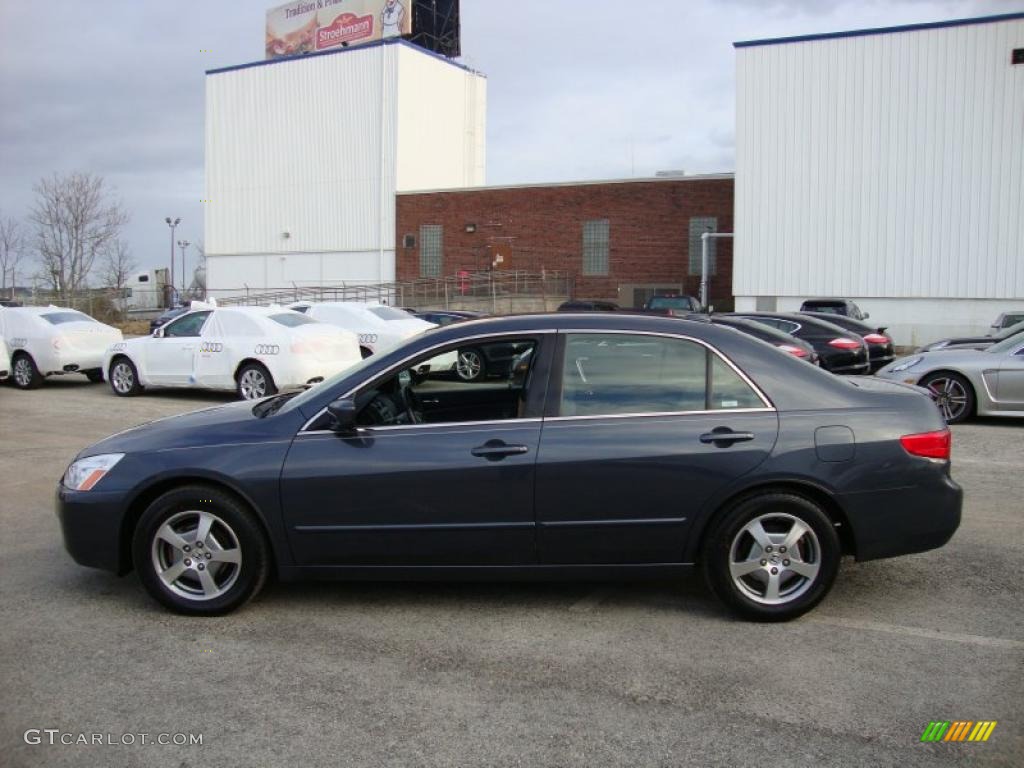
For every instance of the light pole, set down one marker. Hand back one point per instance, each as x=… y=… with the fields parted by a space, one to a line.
x=172 y=225
x=183 y=244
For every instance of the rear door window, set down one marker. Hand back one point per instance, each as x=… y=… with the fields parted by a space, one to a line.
x=626 y=374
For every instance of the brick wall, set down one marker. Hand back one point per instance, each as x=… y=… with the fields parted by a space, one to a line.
x=541 y=227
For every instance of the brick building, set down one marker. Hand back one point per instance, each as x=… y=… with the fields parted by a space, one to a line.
x=619 y=240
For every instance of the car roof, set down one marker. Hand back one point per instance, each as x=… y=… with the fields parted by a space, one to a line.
x=43 y=310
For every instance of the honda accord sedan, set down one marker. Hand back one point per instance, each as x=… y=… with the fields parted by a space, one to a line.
x=617 y=446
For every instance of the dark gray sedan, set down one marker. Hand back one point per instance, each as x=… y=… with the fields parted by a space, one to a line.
x=618 y=446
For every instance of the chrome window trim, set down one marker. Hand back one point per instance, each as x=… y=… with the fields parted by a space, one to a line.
x=446 y=424
x=649 y=414
x=406 y=359
x=769 y=407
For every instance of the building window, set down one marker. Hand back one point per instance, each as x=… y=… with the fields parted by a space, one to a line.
x=595 y=248
x=698 y=226
x=431 y=245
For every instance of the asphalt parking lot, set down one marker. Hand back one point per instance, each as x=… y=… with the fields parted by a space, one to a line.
x=503 y=674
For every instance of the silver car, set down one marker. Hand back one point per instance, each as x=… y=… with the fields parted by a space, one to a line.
x=982 y=382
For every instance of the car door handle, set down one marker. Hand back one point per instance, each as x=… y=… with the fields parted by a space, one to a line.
x=494 y=450
x=723 y=437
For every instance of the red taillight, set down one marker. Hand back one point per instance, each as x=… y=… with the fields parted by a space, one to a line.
x=795 y=351
x=930 y=445
x=876 y=338
x=844 y=343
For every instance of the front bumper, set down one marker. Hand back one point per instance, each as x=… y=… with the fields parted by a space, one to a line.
x=91 y=523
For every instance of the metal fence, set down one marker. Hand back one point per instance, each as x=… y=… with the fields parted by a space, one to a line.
x=437 y=292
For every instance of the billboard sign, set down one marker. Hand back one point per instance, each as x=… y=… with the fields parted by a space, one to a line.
x=309 y=26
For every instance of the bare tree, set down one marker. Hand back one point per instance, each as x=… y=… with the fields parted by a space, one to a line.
x=117 y=265
x=75 y=221
x=12 y=251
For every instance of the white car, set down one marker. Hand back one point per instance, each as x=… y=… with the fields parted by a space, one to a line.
x=379 y=327
x=255 y=351
x=5 y=359
x=49 y=341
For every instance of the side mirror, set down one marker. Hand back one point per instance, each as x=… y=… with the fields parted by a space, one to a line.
x=158 y=333
x=343 y=414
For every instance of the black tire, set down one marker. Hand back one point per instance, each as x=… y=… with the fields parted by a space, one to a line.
x=123 y=377
x=235 y=528
x=24 y=372
x=94 y=375
x=730 y=543
x=254 y=382
x=472 y=364
x=953 y=395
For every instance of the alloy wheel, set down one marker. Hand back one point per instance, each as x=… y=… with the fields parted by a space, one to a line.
x=252 y=385
x=196 y=555
x=950 y=396
x=469 y=365
x=122 y=378
x=775 y=558
x=23 y=373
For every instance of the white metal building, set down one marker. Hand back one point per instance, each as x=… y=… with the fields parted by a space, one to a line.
x=886 y=166
x=304 y=157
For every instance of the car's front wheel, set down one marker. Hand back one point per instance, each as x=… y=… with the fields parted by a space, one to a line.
x=772 y=556
x=255 y=382
x=199 y=551
x=24 y=373
x=124 y=378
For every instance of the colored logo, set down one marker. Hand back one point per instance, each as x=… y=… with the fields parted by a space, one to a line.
x=958 y=730
x=345 y=29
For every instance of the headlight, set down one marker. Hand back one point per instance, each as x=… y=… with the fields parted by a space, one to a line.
x=83 y=474
x=906 y=364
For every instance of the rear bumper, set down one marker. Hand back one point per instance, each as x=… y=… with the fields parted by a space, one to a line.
x=90 y=523
x=902 y=521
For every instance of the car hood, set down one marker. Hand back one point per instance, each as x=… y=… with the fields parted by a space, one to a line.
x=233 y=423
x=961 y=358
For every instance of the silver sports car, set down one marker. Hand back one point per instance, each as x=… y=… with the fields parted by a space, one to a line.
x=982 y=382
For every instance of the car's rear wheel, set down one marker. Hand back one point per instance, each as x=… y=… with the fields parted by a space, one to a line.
x=124 y=378
x=24 y=372
x=471 y=365
x=200 y=551
x=255 y=382
x=772 y=556
x=952 y=393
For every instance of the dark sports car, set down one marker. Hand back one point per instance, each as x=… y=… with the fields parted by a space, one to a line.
x=881 y=350
x=620 y=446
x=839 y=350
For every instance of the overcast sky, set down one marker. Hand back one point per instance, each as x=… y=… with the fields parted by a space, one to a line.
x=577 y=89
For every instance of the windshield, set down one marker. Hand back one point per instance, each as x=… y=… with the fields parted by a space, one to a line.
x=1008 y=344
x=1013 y=330
x=390 y=313
x=292 y=321
x=56 y=318
x=670 y=302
